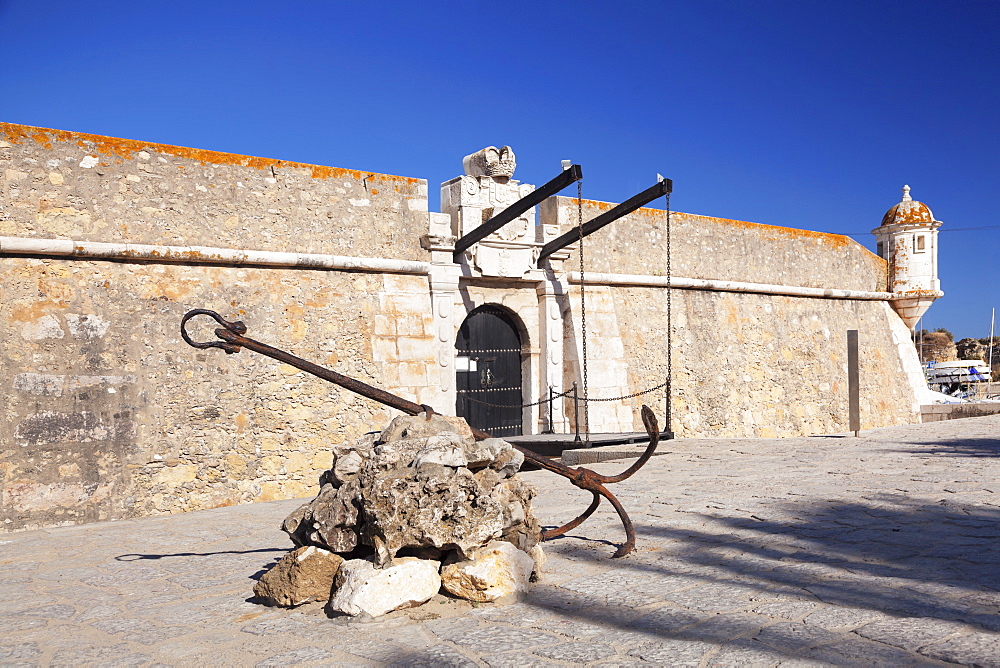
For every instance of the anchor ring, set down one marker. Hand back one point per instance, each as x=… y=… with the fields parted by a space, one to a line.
x=236 y=327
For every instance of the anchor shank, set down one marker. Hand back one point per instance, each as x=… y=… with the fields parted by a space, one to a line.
x=346 y=382
x=233 y=340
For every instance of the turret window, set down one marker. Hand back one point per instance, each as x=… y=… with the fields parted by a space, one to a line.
x=919 y=243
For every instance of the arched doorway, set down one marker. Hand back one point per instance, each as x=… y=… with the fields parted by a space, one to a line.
x=488 y=372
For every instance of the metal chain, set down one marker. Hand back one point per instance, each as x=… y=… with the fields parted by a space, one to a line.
x=670 y=330
x=628 y=396
x=583 y=307
x=536 y=403
x=586 y=399
x=566 y=394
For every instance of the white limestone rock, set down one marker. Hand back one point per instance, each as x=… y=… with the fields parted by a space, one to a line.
x=361 y=588
x=497 y=570
x=347 y=467
x=418 y=426
x=538 y=556
x=445 y=449
x=496 y=454
x=424 y=488
x=433 y=506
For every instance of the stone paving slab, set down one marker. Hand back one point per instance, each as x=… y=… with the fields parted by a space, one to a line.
x=880 y=550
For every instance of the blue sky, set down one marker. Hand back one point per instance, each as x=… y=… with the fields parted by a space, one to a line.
x=804 y=114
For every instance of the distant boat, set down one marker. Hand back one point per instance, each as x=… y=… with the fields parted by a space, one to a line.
x=955 y=376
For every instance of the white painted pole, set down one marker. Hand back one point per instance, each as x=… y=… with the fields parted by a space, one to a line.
x=207 y=255
x=640 y=280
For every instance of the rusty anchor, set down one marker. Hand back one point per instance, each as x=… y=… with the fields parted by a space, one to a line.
x=233 y=340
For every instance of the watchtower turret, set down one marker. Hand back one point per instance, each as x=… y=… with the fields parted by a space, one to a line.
x=907 y=240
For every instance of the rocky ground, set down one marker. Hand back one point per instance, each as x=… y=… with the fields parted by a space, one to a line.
x=881 y=550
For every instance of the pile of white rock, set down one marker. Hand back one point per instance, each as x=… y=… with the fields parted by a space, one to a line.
x=403 y=514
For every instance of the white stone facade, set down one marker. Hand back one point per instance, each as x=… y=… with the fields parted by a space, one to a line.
x=500 y=269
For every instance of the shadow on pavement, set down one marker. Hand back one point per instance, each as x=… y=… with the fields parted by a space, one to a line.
x=139 y=557
x=891 y=557
x=959 y=447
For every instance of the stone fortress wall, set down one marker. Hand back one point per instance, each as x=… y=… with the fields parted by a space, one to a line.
x=747 y=363
x=108 y=414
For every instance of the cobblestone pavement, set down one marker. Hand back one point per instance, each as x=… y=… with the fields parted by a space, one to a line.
x=812 y=551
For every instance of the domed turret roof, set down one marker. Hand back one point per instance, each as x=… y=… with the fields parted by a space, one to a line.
x=908 y=212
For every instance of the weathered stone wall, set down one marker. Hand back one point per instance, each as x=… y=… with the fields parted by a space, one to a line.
x=718 y=248
x=938 y=412
x=767 y=366
x=744 y=364
x=607 y=363
x=110 y=413
x=106 y=412
x=94 y=188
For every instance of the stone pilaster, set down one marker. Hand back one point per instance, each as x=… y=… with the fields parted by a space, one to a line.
x=444 y=280
x=551 y=296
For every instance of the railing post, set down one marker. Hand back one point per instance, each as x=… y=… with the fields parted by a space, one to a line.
x=576 y=412
x=853 y=384
x=551 y=426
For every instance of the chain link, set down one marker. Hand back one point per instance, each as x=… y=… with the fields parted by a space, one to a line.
x=536 y=403
x=670 y=330
x=583 y=307
x=566 y=394
x=586 y=399
x=628 y=396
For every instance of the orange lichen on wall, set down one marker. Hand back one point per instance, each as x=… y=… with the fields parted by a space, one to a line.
x=124 y=149
x=595 y=204
x=834 y=240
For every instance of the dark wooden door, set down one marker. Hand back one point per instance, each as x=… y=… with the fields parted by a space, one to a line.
x=489 y=372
